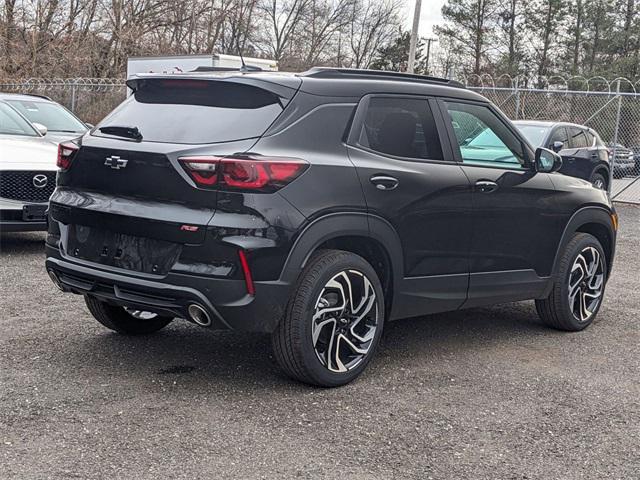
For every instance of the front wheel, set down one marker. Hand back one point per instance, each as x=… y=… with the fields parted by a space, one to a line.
x=125 y=320
x=598 y=181
x=578 y=287
x=333 y=321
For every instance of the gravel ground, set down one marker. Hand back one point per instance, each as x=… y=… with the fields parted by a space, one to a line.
x=479 y=394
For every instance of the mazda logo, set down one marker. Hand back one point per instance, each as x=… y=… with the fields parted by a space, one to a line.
x=40 y=181
x=116 y=162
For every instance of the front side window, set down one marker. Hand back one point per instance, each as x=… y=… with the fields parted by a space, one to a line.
x=483 y=139
x=401 y=127
x=559 y=135
x=11 y=123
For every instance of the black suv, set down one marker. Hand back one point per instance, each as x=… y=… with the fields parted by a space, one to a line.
x=583 y=153
x=317 y=206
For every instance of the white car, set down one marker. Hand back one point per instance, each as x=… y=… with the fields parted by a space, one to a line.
x=27 y=172
x=52 y=120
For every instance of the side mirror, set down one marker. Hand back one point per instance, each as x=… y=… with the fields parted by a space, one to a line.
x=547 y=161
x=40 y=128
x=557 y=146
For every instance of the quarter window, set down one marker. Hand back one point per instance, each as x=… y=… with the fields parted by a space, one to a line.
x=483 y=139
x=402 y=127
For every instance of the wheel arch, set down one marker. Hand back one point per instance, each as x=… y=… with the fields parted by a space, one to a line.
x=369 y=236
x=595 y=221
x=603 y=169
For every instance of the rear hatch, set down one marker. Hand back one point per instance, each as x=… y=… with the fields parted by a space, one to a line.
x=126 y=194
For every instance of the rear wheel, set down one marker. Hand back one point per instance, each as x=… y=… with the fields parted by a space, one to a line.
x=598 y=181
x=125 y=320
x=333 y=321
x=578 y=288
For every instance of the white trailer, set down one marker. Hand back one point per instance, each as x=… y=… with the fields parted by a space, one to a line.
x=188 y=63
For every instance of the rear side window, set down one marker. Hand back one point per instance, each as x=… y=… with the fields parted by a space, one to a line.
x=578 y=138
x=401 y=127
x=196 y=111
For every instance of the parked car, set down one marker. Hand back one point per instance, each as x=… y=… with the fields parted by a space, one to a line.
x=27 y=173
x=624 y=163
x=583 y=153
x=58 y=122
x=316 y=207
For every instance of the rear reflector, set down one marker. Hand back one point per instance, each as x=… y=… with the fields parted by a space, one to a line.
x=248 y=280
x=250 y=173
x=66 y=152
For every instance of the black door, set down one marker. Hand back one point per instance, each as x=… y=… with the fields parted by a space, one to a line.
x=515 y=230
x=577 y=159
x=410 y=180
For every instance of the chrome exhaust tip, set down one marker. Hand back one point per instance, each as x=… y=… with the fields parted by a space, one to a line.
x=199 y=315
x=56 y=281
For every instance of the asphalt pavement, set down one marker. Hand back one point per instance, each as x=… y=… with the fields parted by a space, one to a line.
x=488 y=393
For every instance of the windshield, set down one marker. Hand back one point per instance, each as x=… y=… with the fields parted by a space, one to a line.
x=486 y=139
x=534 y=133
x=11 y=123
x=194 y=112
x=53 y=116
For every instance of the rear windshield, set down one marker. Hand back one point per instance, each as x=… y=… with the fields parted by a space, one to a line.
x=196 y=111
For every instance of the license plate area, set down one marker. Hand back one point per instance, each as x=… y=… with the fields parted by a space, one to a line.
x=34 y=212
x=106 y=247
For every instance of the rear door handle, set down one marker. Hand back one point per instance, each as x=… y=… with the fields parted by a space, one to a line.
x=486 y=186
x=384 y=182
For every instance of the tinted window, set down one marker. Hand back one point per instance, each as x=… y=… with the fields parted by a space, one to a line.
x=591 y=138
x=11 y=123
x=483 y=138
x=194 y=111
x=51 y=115
x=559 y=135
x=402 y=127
x=578 y=138
x=534 y=133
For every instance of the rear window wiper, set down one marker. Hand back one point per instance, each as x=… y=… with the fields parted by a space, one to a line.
x=122 y=131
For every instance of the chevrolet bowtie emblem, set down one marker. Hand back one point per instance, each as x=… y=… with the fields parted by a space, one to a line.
x=116 y=162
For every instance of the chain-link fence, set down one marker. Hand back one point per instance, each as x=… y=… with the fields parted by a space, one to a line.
x=611 y=108
x=603 y=106
x=89 y=98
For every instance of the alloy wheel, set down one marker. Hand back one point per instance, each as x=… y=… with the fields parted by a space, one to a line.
x=345 y=321
x=586 y=284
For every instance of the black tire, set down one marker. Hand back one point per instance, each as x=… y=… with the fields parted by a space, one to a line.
x=119 y=320
x=599 y=181
x=293 y=343
x=557 y=311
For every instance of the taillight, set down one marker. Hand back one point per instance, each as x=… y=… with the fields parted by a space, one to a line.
x=252 y=173
x=66 y=152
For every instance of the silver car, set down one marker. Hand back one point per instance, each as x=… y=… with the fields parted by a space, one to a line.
x=50 y=118
x=27 y=173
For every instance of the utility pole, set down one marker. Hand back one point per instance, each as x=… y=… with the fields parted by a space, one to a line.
x=429 y=40
x=414 y=37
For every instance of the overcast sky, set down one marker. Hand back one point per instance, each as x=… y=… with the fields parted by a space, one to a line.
x=429 y=15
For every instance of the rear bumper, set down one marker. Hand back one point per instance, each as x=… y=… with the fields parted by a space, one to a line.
x=225 y=300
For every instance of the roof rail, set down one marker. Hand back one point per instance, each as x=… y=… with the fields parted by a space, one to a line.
x=330 y=72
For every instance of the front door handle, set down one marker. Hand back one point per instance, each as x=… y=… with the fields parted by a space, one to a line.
x=384 y=182
x=486 y=186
